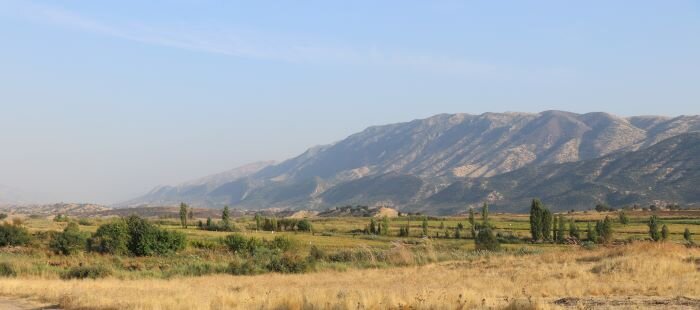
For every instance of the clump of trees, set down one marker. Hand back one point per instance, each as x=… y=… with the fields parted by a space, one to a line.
x=541 y=222
x=259 y=255
x=624 y=220
x=604 y=230
x=378 y=228
x=485 y=237
x=70 y=241
x=136 y=236
x=224 y=224
x=603 y=208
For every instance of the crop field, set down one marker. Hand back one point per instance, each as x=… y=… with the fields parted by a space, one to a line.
x=337 y=264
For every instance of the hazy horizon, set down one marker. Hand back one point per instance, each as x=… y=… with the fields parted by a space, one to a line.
x=103 y=101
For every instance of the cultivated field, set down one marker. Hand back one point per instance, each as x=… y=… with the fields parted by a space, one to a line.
x=337 y=265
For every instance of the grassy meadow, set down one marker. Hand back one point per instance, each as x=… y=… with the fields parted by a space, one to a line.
x=337 y=265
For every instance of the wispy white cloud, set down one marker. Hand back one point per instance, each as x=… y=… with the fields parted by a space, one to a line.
x=266 y=46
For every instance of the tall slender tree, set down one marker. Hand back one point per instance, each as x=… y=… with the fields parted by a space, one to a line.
x=183 y=215
x=654 y=228
x=485 y=213
x=560 y=229
x=536 y=219
x=226 y=219
x=591 y=233
x=573 y=229
x=385 y=225
x=424 y=225
x=546 y=224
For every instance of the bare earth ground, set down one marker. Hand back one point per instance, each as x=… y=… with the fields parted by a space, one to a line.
x=24 y=304
x=638 y=276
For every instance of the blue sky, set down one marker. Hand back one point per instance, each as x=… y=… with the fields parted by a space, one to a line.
x=102 y=100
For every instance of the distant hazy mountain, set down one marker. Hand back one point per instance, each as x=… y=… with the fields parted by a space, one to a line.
x=406 y=164
x=13 y=196
x=206 y=191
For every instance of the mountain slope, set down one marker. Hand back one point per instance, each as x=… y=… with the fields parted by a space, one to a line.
x=428 y=155
x=226 y=187
x=667 y=172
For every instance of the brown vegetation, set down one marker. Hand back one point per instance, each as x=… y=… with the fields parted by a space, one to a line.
x=550 y=280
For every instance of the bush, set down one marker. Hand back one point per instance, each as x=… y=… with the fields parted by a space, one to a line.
x=84 y=222
x=61 y=218
x=86 y=272
x=111 y=238
x=13 y=235
x=486 y=240
x=146 y=239
x=687 y=236
x=70 y=241
x=304 y=225
x=654 y=228
x=316 y=253
x=236 y=243
x=3 y=216
x=664 y=232
x=7 y=270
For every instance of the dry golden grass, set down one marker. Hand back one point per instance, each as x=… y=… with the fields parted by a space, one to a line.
x=641 y=269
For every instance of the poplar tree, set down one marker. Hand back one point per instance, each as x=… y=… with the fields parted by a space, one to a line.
x=536 y=219
x=561 y=229
x=591 y=234
x=573 y=229
x=654 y=228
x=226 y=219
x=485 y=213
x=424 y=225
x=183 y=215
x=546 y=224
x=385 y=225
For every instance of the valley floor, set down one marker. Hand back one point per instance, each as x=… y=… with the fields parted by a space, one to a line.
x=640 y=275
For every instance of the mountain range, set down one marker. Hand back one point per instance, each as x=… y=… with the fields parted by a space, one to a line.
x=444 y=163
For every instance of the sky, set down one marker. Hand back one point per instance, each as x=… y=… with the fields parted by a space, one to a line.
x=100 y=101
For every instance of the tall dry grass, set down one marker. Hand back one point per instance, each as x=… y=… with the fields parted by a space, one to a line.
x=641 y=269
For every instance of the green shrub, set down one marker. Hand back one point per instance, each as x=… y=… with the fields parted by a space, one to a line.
x=3 y=216
x=86 y=272
x=13 y=235
x=282 y=243
x=687 y=236
x=304 y=225
x=146 y=239
x=205 y=245
x=315 y=253
x=288 y=263
x=7 y=270
x=654 y=228
x=70 y=241
x=85 y=222
x=111 y=238
x=664 y=232
x=486 y=240
x=236 y=243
